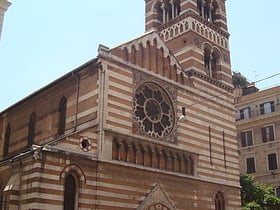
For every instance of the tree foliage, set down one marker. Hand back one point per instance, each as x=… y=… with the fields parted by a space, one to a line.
x=238 y=80
x=256 y=196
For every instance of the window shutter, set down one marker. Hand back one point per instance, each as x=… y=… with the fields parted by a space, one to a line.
x=243 y=143
x=262 y=109
x=241 y=114
x=250 y=142
x=271 y=133
x=264 y=135
x=272 y=106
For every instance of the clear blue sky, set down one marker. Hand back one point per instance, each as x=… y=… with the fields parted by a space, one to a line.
x=44 y=39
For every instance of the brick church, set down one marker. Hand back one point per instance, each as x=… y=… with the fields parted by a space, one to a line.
x=147 y=125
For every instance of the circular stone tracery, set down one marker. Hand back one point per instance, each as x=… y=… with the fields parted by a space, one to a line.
x=153 y=110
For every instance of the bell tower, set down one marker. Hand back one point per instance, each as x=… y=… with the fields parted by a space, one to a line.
x=196 y=33
x=3 y=8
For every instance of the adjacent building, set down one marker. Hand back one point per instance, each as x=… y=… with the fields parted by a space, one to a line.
x=3 y=8
x=258 y=132
x=149 y=124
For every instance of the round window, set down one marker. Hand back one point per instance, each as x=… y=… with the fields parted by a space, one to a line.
x=153 y=110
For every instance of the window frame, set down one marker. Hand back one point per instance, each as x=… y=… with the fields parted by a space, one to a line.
x=250 y=169
x=74 y=194
x=244 y=115
x=219 y=201
x=266 y=110
x=268 y=133
x=245 y=142
x=272 y=161
x=277 y=191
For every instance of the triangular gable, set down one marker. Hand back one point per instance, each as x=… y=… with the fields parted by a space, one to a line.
x=159 y=198
x=147 y=52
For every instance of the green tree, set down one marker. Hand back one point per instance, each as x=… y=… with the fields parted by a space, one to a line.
x=256 y=196
x=238 y=79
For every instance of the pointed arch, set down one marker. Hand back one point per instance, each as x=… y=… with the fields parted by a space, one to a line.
x=7 y=140
x=209 y=10
x=215 y=64
x=71 y=186
x=31 y=129
x=133 y=54
x=219 y=201
x=62 y=115
x=158 y=10
x=75 y=169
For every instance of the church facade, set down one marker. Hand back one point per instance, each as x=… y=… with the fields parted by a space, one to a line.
x=149 y=124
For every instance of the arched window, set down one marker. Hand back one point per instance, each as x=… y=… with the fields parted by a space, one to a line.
x=167 y=10
x=208 y=10
x=31 y=129
x=211 y=62
x=207 y=60
x=70 y=193
x=219 y=201
x=7 y=140
x=214 y=64
x=62 y=116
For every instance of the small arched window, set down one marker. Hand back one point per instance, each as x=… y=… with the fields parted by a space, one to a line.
x=167 y=10
x=208 y=10
x=70 y=193
x=207 y=60
x=215 y=64
x=31 y=129
x=219 y=201
x=7 y=140
x=62 y=116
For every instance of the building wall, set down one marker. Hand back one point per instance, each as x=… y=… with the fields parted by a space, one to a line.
x=260 y=147
x=127 y=142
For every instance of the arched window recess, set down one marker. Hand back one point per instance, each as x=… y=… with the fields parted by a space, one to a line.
x=211 y=61
x=219 y=201
x=71 y=186
x=208 y=9
x=31 y=129
x=167 y=10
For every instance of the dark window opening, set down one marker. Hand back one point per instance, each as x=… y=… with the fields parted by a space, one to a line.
x=250 y=165
x=31 y=130
x=208 y=10
x=211 y=62
x=219 y=201
x=7 y=141
x=70 y=193
x=272 y=161
x=167 y=10
x=277 y=191
x=62 y=116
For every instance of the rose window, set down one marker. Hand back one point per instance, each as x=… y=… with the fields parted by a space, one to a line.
x=153 y=110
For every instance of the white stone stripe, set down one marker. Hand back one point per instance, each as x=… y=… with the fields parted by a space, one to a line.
x=118 y=76
x=119 y=112
x=119 y=86
x=82 y=114
x=127 y=107
x=120 y=95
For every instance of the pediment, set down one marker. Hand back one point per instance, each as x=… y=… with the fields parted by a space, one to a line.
x=158 y=199
x=148 y=52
